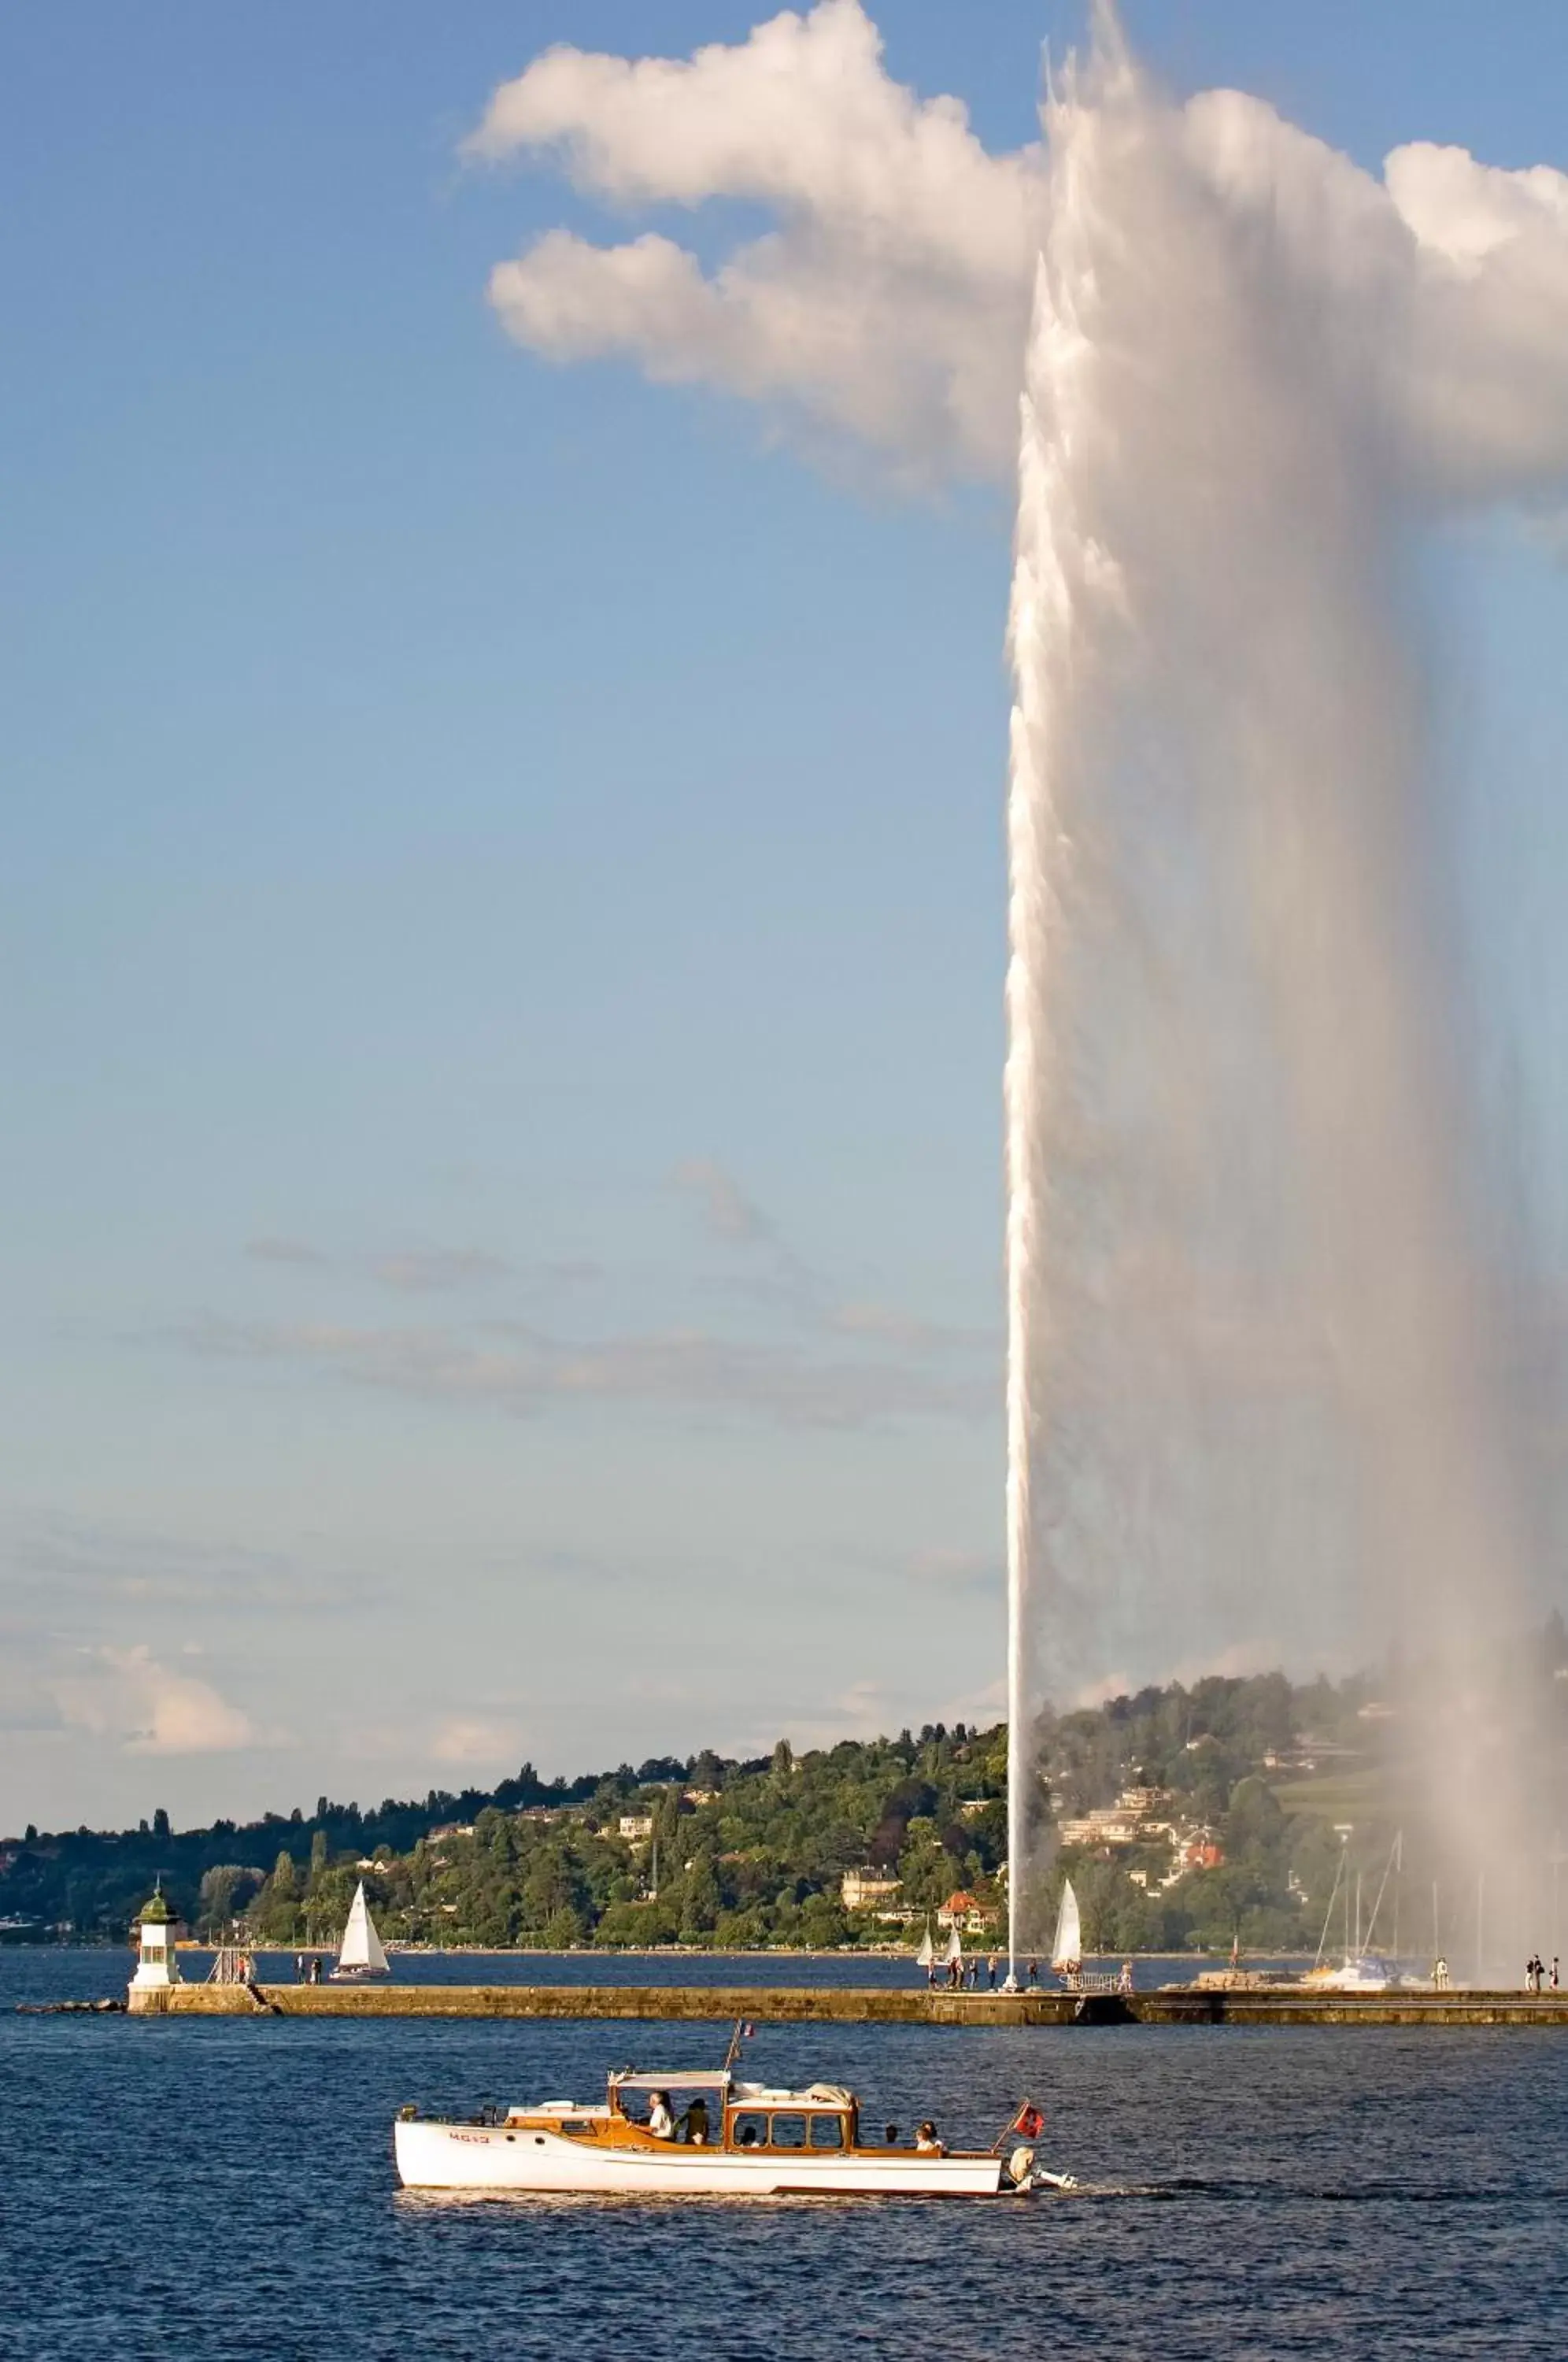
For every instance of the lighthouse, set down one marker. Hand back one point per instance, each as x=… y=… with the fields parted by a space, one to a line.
x=157 y=1968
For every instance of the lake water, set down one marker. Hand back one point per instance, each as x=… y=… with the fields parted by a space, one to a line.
x=1250 y=2192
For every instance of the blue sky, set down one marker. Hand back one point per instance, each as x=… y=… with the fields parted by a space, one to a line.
x=503 y=929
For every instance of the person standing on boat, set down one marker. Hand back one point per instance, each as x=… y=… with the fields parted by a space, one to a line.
x=661 y=2124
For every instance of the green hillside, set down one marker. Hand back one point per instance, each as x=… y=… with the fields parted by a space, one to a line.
x=1188 y=1815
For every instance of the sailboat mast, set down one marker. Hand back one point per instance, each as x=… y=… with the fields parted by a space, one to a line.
x=1329 y=1913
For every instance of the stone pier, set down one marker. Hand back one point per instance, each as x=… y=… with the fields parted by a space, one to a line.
x=861 y=2005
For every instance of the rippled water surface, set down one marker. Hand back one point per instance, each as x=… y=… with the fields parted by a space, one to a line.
x=1262 y=2192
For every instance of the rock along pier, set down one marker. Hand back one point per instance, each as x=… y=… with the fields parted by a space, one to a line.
x=858 y=2006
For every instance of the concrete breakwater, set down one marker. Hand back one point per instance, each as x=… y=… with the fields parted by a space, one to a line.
x=862 y=2005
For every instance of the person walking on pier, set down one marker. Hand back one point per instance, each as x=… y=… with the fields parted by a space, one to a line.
x=991 y=1972
x=1554 y=1972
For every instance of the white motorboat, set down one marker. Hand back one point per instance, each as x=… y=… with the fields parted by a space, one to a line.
x=718 y=2137
x=1357 y=1972
x=361 y=1953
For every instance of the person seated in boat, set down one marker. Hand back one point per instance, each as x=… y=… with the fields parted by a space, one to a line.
x=694 y=2123
x=927 y=2141
x=750 y=2136
x=661 y=2124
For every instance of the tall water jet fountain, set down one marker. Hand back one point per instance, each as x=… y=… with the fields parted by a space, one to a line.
x=1257 y=1358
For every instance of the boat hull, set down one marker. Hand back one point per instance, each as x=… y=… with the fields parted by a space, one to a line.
x=435 y=2156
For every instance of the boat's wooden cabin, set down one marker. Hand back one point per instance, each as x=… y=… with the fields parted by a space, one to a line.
x=711 y=2111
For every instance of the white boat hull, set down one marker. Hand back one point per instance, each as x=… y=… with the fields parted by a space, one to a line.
x=435 y=2156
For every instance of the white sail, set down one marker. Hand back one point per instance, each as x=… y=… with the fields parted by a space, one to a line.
x=362 y=1946
x=927 y=1952
x=1067 y=1950
x=955 y=1945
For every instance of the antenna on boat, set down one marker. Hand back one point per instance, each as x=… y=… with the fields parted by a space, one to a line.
x=743 y=2032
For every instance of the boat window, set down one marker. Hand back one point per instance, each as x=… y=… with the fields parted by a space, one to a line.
x=788 y=2132
x=827 y=2132
x=749 y=2130
x=579 y=2131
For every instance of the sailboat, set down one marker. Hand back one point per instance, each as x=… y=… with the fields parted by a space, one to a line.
x=926 y=1953
x=361 y=1953
x=1067 y=1952
x=1358 y=1970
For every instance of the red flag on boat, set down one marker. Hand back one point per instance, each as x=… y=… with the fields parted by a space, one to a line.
x=1029 y=2120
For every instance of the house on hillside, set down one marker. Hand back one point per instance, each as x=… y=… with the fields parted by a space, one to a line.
x=1202 y=1850
x=1133 y=1819
x=968 y=1915
x=863 y=1890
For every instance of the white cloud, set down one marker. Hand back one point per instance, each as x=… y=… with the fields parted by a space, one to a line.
x=475 y=1740
x=422 y=1271
x=727 y=1213
x=904 y=1332
x=127 y=1695
x=888 y=303
x=510 y=1366
x=74 y=1570
x=287 y=1251
x=948 y=1569
x=414 y=1271
x=891 y=298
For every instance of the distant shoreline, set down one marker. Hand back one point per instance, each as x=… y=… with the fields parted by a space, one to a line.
x=709 y=1952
